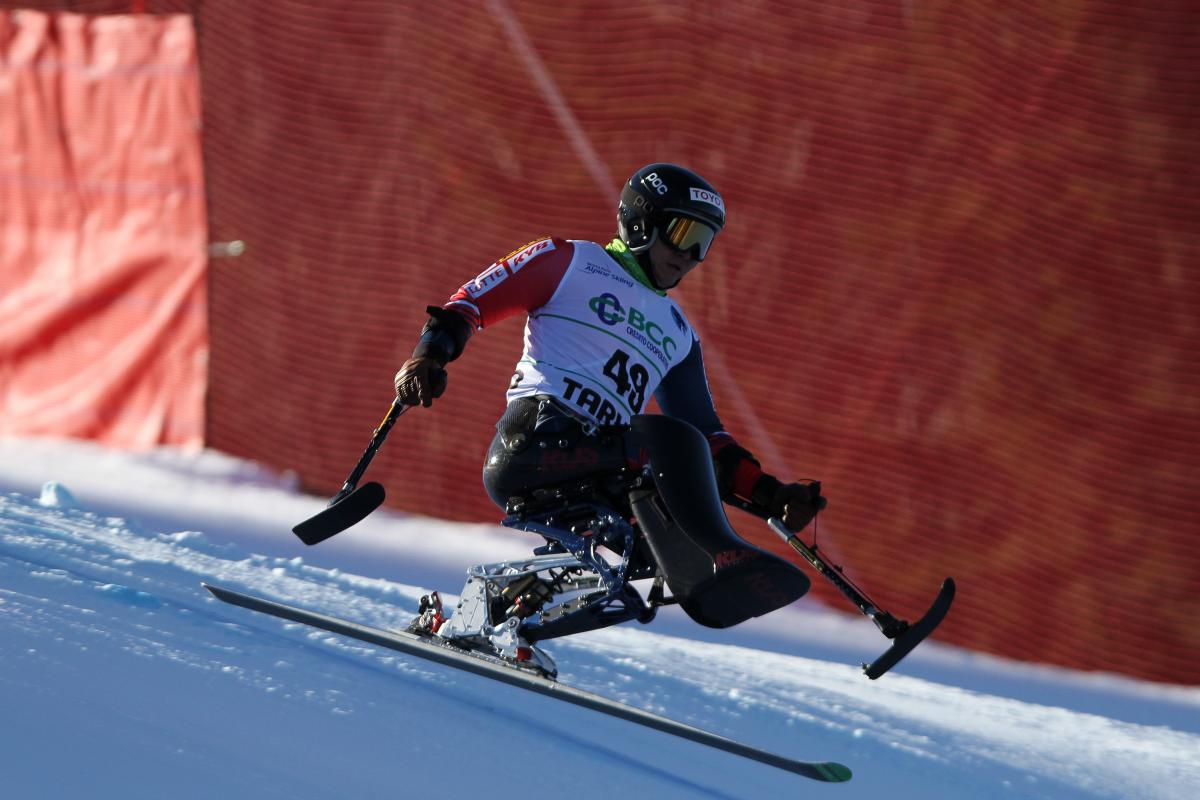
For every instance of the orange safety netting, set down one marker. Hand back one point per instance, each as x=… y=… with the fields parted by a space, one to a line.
x=102 y=229
x=958 y=282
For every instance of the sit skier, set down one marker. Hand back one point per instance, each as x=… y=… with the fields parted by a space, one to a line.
x=601 y=337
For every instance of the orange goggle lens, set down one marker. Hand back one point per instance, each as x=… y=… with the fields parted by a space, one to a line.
x=684 y=233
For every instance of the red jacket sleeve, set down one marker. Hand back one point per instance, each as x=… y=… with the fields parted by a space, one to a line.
x=522 y=281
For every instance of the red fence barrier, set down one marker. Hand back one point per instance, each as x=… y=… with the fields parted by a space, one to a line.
x=102 y=234
x=958 y=283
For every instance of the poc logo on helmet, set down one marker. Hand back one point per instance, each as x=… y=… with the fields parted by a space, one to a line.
x=656 y=182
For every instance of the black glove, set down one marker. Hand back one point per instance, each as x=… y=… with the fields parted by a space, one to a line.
x=797 y=503
x=419 y=381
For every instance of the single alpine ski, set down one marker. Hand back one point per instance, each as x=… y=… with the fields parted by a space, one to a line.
x=443 y=651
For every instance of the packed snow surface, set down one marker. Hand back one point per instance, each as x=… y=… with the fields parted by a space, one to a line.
x=120 y=677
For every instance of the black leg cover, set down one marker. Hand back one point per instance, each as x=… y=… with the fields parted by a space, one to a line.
x=718 y=578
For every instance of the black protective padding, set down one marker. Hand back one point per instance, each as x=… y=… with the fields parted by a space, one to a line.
x=719 y=579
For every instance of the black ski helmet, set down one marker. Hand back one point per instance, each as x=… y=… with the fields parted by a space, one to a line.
x=667 y=200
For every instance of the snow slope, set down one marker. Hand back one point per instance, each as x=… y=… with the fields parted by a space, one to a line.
x=121 y=677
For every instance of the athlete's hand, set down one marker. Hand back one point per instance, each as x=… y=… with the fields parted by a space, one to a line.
x=797 y=503
x=420 y=381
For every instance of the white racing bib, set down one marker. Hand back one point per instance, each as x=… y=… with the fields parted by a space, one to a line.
x=603 y=342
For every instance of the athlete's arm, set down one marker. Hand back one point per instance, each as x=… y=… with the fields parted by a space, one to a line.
x=684 y=393
x=520 y=282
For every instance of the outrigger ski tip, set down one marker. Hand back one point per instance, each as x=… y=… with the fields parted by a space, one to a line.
x=914 y=634
x=353 y=503
x=347 y=508
x=904 y=636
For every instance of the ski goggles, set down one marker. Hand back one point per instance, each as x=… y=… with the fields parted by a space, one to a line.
x=685 y=233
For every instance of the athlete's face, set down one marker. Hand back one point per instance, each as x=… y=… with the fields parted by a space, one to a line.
x=668 y=265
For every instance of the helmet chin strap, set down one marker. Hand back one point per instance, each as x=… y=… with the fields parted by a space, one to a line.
x=643 y=259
